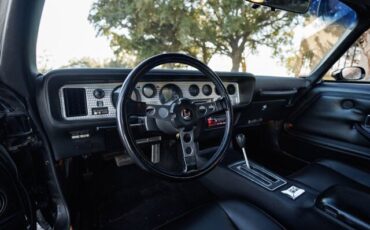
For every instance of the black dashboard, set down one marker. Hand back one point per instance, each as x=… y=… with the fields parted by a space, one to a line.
x=77 y=106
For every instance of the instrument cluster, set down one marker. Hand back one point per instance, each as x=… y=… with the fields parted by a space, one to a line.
x=166 y=92
x=97 y=101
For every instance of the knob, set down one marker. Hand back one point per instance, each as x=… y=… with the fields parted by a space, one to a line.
x=99 y=93
x=241 y=140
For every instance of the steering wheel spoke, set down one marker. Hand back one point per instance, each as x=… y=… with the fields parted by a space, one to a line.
x=161 y=112
x=189 y=149
x=206 y=109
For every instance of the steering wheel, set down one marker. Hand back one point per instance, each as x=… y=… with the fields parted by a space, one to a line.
x=183 y=115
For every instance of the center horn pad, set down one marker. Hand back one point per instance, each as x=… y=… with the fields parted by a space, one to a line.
x=184 y=113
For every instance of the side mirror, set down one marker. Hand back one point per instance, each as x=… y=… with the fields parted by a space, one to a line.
x=296 y=6
x=352 y=73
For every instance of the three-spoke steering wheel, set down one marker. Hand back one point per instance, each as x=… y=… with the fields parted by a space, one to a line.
x=182 y=114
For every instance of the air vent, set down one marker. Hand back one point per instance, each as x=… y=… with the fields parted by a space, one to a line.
x=75 y=102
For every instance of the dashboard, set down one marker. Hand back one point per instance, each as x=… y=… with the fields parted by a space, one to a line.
x=98 y=100
x=78 y=106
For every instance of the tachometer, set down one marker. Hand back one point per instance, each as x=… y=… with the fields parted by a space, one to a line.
x=169 y=92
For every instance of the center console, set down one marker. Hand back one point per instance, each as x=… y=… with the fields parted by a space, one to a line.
x=293 y=203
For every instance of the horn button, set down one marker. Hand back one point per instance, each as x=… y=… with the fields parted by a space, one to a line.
x=185 y=114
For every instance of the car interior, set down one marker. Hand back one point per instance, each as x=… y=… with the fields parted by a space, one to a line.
x=143 y=147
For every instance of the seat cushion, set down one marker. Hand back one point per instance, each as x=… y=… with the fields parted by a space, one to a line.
x=325 y=173
x=225 y=215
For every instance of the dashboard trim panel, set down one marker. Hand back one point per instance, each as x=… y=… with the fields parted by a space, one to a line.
x=109 y=88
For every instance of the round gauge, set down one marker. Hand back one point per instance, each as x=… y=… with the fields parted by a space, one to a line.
x=169 y=92
x=193 y=90
x=231 y=89
x=134 y=96
x=149 y=90
x=207 y=90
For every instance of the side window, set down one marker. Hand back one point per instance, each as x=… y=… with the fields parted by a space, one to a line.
x=354 y=65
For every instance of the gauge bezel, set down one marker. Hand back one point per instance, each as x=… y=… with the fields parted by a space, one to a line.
x=173 y=86
x=210 y=90
x=152 y=86
x=197 y=90
x=231 y=89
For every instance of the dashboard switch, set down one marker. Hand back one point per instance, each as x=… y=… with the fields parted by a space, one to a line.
x=99 y=103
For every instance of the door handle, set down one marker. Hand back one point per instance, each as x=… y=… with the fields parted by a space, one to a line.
x=367 y=121
x=363 y=130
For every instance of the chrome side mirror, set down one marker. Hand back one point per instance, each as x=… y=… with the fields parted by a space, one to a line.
x=353 y=73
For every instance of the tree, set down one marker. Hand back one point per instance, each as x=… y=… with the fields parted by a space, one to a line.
x=237 y=27
x=88 y=62
x=200 y=28
x=357 y=55
x=43 y=62
x=364 y=59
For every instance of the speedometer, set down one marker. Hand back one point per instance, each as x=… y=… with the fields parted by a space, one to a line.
x=169 y=92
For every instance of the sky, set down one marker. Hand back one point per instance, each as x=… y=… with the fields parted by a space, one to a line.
x=65 y=33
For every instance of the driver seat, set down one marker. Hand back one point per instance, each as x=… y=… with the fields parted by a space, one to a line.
x=225 y=215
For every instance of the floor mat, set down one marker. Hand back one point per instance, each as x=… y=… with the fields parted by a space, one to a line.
x=130 y=198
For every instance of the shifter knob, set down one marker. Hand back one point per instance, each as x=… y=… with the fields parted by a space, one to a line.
x=241 y=140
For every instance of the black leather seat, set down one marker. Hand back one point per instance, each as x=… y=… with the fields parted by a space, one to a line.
x=225 y=215
x=325 y=173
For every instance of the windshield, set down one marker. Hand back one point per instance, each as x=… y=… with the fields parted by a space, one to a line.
x=226 y=35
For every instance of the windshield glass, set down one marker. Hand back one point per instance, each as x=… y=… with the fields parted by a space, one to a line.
x=226 y=35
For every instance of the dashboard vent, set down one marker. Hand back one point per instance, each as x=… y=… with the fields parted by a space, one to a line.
x=75 y=102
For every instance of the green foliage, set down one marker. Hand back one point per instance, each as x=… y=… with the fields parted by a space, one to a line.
x=143 y=28
x=88 y=62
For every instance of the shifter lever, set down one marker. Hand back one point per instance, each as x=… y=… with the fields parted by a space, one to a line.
x=241 y=140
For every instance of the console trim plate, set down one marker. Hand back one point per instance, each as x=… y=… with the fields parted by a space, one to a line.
x=255 y=174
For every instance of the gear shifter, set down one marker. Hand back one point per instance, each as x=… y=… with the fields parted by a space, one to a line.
x=253 y=171
x=242 y=142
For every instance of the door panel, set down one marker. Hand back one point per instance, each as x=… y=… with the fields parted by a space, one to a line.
x=332 y=118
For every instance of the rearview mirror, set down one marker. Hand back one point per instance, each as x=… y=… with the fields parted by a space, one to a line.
x=352 y=73
x=296 y=6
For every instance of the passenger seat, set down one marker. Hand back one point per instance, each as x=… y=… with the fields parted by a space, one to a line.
x=325 y=173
